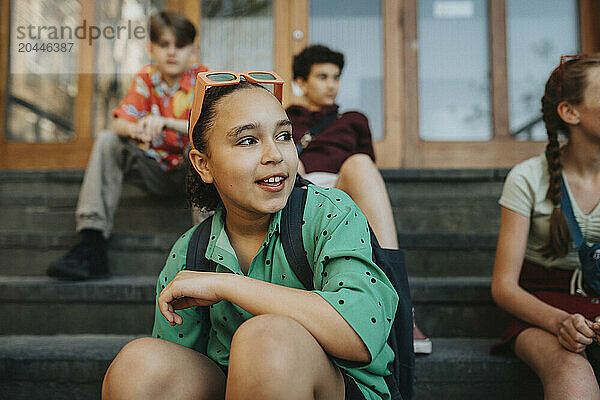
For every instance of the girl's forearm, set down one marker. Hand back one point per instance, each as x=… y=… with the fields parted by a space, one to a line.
x=506 y=291
x=529 y=308
x=317 y=316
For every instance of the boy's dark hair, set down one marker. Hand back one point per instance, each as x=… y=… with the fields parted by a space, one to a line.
x=315 y=54
x=183 y=29
x=200 y=194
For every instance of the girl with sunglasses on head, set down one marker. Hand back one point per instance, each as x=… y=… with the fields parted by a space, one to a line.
x=552 y=325
x=265 y=337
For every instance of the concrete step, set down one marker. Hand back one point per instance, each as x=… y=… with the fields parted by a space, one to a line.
x=138 y=212
x=43 y=306
x=450 y=201
x=462 y=368
x=465 y=215
x=409 y=182
x=456 y=307
x=144 y=213
x=445 y=307
x=428 y=254
x=31 y=252
x=73 y=366
x=56 y=367
x=449 y=254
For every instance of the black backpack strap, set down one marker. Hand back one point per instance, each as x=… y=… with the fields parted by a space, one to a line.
x=291 y=238
x=195 y=258
x=291 y=234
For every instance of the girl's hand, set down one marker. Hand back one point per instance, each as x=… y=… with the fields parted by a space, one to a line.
x=575 y=332
x=188 y=289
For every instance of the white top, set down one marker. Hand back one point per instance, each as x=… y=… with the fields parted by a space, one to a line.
x=525 y=192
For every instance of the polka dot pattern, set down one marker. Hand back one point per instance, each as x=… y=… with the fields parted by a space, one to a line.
x=334 y=240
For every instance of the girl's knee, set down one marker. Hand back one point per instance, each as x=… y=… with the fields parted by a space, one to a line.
x=271 y=355
x=571 y=367
x=267 y=340
x=133 y=370
x=568 y=372
x=358 y=161
x=266 y=331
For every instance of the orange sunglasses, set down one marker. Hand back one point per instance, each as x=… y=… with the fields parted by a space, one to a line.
x=223 y=78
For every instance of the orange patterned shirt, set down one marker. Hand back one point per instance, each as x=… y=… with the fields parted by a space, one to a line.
x=150 y=94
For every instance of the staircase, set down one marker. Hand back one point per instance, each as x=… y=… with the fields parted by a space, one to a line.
x=58 y=338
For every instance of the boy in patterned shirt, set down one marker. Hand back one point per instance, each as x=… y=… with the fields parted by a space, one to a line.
x=146 y=144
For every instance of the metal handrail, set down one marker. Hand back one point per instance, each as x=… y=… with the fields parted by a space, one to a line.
x=528 y=127
x=64 y=124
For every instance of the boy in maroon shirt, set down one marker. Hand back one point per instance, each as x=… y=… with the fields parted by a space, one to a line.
x=336 y=149
x=341 y=155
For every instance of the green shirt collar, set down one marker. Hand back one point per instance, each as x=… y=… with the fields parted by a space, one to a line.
x=219 y=248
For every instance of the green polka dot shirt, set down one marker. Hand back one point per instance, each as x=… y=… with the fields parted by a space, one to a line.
x=337 y=242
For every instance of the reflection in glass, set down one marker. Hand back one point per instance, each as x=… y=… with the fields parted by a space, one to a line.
x=538 y=33
x=40 y=105
x=121 y=56
x=237 y=35
x=355 y=28
x=454 y=88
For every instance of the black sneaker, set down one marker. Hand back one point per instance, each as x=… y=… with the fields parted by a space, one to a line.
x=84 y=261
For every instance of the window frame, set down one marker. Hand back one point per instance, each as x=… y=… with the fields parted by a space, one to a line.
x=501 y=150
x=401 y=146
x=72 y=154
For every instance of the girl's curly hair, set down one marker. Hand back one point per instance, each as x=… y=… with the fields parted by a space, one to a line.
x=200 y=194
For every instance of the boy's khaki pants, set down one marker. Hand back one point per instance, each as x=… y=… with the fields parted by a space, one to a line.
x=114 y=158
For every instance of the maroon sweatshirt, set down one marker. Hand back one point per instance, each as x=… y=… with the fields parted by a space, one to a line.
x=345 y=136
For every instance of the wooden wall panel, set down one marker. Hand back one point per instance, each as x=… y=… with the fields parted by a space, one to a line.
x=74 y=154
x=4 y=49
x=412 y=142
x=499 y=69
x=389 y=150
x=589 y=28
x=496 y=153
x=289 y=17
x=192 y=9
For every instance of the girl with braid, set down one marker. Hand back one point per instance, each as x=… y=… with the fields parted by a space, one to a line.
x=552 y=324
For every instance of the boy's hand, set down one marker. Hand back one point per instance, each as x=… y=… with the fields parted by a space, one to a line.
x=151 y=126
x=188 y=289
x=576 y=332
x=134 y=130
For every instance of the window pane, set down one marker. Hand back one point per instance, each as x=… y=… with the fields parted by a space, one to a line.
x=538 y=33
x=454 y=72
x=120 y=58
x=237 y=35
x=40 y=105
x=355 y=28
